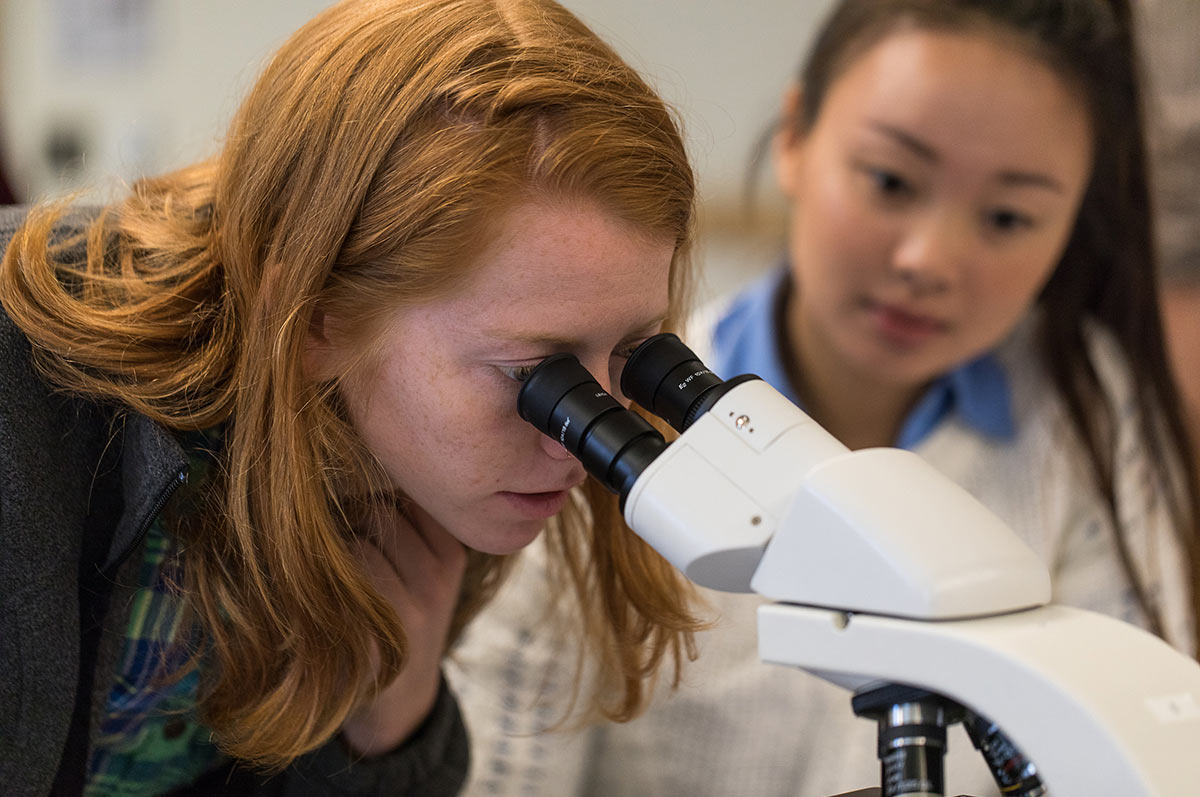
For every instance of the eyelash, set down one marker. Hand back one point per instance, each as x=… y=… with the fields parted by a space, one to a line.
x=1012 y=220
x=519 y=373
x=889 y=183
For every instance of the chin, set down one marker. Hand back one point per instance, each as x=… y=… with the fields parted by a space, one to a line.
x=504 y=541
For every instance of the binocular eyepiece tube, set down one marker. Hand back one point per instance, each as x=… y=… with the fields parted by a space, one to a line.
x=564 y=401
x=667 y=378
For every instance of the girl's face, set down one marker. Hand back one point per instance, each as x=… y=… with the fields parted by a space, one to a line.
x=931 y=200
x=440 y=412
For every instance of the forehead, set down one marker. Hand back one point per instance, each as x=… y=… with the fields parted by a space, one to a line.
x=979 y=93
x=566 y=268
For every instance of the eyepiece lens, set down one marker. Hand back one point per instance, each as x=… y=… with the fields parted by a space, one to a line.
x=544 y=388
x=667 y=378
x=564 y=401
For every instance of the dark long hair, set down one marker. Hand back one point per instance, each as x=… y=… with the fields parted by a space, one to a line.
x=1108 y=271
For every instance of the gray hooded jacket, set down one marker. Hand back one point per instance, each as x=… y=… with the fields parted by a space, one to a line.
x=79 y=484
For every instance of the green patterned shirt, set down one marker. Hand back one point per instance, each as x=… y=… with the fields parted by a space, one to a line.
x=150 y=740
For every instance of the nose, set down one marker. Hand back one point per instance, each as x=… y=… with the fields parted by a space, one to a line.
x=554 y=448
x=607 y=373
x=930 y=254
x=600 y=369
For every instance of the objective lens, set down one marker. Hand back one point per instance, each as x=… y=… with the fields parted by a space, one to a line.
x=562 y=400
x=667 y=378
x=1013 y=772
x=911 y=732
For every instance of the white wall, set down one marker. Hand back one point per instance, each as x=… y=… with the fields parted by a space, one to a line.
x=724 y=66
x=142 y=86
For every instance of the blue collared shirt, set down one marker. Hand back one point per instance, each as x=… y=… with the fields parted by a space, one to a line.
x=746 y=340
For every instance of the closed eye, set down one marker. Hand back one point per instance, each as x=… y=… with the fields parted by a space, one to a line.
x=620 y=357
x=625 y=351
x=517 y=373
x=520 y=373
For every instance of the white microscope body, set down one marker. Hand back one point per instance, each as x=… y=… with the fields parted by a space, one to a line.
x=883 y=571
x=886 y=571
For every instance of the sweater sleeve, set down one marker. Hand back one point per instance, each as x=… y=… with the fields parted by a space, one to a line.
x=514 y=671
x=431 y=763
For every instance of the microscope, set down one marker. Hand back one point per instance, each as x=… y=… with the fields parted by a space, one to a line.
x=885 y=578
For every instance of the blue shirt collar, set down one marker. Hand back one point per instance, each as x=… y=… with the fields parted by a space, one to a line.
x=747 y=340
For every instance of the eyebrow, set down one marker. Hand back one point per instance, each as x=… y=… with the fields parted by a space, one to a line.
x=908 y=141
x=535 y=339
x=532 y=339
x=1009 y=177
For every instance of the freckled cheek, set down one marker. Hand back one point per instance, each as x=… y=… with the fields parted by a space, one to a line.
x=436 y=462
x=494 y=439
x=405 y=422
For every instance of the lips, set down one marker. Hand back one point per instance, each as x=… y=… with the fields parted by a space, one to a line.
x=904 y=326
x=537 y=506
x=541 y=504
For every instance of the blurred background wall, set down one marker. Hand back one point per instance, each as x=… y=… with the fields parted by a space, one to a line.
x=94 y=93
x=99 y=91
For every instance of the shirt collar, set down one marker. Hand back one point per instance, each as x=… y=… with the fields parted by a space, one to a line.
x=747 y=340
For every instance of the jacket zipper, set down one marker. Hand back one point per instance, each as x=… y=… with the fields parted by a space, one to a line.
x=176 y=482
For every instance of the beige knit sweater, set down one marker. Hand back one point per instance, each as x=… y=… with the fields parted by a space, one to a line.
x=741 y=727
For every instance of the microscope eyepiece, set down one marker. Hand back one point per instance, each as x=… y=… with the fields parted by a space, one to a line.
x=562 y=400
x=667 y=378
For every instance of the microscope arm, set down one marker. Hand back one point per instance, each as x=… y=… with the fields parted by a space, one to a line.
x=1099 y=705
